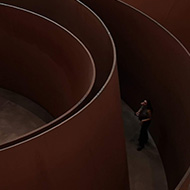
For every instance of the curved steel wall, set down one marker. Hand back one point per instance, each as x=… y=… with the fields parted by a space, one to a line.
x=153 y=64
x=31 y=55
x=87 y=150
x=172 y=14
x=73 y=15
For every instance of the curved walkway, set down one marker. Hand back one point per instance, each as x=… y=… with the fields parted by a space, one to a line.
x=19 y=116
x=145 y=167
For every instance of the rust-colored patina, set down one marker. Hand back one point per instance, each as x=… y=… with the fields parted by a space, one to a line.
x=42 y=61
x=87 y=150
x=172 y=14
x=153 y=64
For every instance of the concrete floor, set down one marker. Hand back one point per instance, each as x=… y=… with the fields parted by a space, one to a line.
x=146 y=171
x=18 y=116
x=25 y=103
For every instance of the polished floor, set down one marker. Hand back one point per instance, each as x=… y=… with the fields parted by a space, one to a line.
x=146 y=171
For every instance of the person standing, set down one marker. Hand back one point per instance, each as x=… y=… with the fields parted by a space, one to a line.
x=145 y=115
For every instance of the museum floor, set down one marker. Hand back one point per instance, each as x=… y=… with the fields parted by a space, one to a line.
x=19 y=116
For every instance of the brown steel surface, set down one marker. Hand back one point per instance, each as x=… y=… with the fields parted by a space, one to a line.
x=152 y=64
x=172 y=14
x=73 y=16
x=87 y=151
x=44 y=63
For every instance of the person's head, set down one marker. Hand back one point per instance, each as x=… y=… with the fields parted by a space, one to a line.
x=144 y=103
x=147 y=103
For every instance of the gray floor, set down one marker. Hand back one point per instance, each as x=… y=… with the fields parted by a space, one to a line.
x=19 y=116
x=146 y=171
x=25 y=103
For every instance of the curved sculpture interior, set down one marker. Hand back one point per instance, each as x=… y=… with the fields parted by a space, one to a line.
x=174 y=15
x=152 y=64
x=86 y=145
x=31 y=57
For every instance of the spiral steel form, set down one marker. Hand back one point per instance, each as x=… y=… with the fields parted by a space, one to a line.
x=62 y=56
